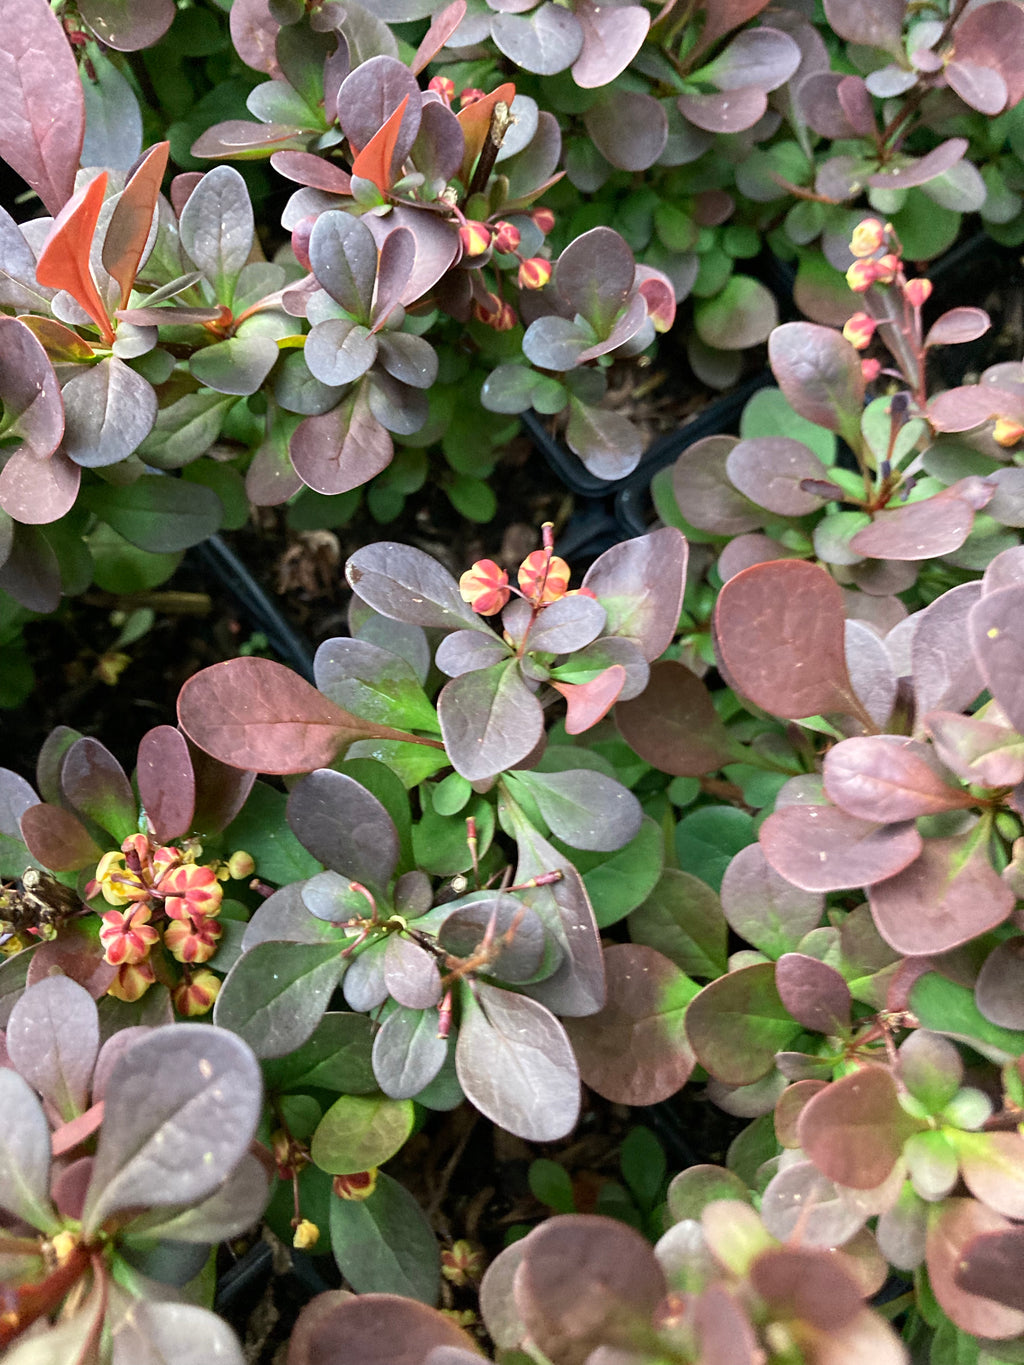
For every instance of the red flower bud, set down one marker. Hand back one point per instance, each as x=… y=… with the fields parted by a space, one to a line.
x=132 y=982
x=543 y=219
x=506 y=237
x=862 y=275
x=859 y=330
x=470 y=96
x=475 y=237
x=534 y=273
x=870 y=369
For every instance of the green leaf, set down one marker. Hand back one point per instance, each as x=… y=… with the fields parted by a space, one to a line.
x=275 y=994
x=742 y=315
x=157 y=513
x=947 y=1008
x=618 y=882
x=708 y=839
x=738 y=1023
x=644 y=1166
x=336 y=1056
x=121 y=568
x=225 y=481
x=682 y=918
x=384 y=1244
x=551 y=1184
x=261 y=826
x=361 y=1131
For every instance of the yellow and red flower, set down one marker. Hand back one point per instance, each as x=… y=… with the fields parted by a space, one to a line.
x=1007 y=432
x=475 y=237
x=868 y=236
x=191 y=890
x=127 y=938
x=862 y=275
x=543 y=577
x=443 y=86
x=506 y=237
x=192 y=940
x=357 y=1186
x=196 y=994
x=132 y=982
x=859 y=330
x=485 y=587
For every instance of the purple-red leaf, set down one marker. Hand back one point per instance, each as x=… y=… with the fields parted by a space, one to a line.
x=951 y=1231
x=612 y=36
x=341 y=449
x=854 y=1129
x=814 y=993
x=738 y=1023
x=888 y=778
x=926 y=529
x=490 y=720
x=256 y=714
x=96 y=785
x=42 y=114
x=958 y=325
x=644 y=1012
x=949 y=895
x=674 y=725
x=167 y=784
x=58 y=839
x=623 y=578
x=442 y=26
x=820 y=848
x=780 y=639
x=819 y=372
x=128 y=230
x=998 y=643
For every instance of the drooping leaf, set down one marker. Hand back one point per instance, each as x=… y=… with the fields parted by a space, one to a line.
x=185 y=1088
x=42 y=122
x=644 y=1013
x=515 y=1063
x=255 y=714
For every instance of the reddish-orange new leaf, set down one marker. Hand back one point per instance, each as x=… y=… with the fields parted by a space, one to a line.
x=64 y=260
x=132 y=219
x=374 y=161
x=475 y=121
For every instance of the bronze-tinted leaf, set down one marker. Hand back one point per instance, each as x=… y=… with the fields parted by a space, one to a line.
x=673 y=724
x=167 y=785
x=374 y=1329
x=490 y=720
x=821 y=848
x=644 y=1014
x=257 y=715
x=888 y=778
x=586 y=1282
x=990 y=1266
x=998 y=642
x=949 y=895
x=779 y=635
x=819 y=372
x=814 y=993
x=952 y=1228
x=738 y=1023
x=854 y=1129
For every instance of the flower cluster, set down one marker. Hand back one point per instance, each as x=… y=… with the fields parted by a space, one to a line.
x=146 y=883
x=543 y=578
x=877 y=266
